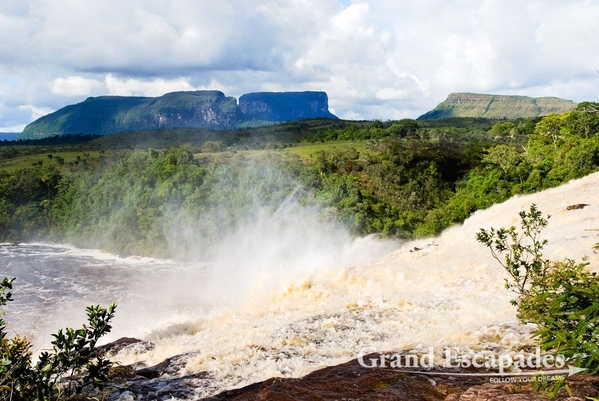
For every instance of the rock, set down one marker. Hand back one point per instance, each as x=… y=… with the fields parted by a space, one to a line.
x=137 y=346
x=577 y=206
x=169 y=366
x=351 y=381
x=348 y=381
x=160 y=389
x=193 y=109
x=161 y=382
x=497 y=106
x=581 y=387
x=285 y=106
x=119 y=374
x=416 y=249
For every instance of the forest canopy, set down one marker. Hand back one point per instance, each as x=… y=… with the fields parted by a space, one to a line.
x=397 y=178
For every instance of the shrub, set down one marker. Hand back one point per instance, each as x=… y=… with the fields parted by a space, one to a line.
x=71 y=367
x=561 y=297
x=522 y=253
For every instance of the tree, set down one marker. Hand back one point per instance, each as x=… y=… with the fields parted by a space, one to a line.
x=551 y=125
x=503 y=128
x=403 y=128
x=584 y=120
x=504 y=156
x=213 y=147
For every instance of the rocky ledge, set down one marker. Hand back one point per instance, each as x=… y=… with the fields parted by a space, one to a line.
x=348 y=381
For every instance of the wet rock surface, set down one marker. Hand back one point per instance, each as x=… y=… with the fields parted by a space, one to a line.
x=577 y=206
x=164 y=381
x=581 y=387
x=159 y=389
x=124 y=343
x=350 y=381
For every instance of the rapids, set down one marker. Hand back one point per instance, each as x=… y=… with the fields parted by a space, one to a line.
x=440 y=292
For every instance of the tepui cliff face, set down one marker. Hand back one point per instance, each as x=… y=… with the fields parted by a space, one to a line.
x=285 y=106
x=198 y=109
x=497 y=106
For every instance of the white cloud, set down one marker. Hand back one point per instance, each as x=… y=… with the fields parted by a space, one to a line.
x=390 y=94
x=36 y=112
x=375 y=58
x=138 y=87
x=74 y=86
x=13 y=128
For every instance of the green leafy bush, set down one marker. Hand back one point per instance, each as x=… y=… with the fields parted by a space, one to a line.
x=522 y=256
x=561 y=297
x=71 y=367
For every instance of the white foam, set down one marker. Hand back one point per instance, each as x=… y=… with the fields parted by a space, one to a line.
x=96 y=254
x=450 y=293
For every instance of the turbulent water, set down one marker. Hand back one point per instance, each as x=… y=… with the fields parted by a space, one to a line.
x=287 y=322
x=54 y=284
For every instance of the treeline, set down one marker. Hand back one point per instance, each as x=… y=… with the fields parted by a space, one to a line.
x=142 y=202
x=53 y=140
x=164 y=202
x=401 y=185
x=26 y=199
x=464 y=128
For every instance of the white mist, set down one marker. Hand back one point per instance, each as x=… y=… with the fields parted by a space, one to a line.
x=309 y=300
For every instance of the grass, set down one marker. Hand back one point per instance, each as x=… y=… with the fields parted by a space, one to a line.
x=306 y=151
x=76 y=160
x=171 y=137
x=286 y=138
x=72 y=160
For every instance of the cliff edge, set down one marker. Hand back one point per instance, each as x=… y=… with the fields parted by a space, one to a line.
x=196 y=109
x=497 y=106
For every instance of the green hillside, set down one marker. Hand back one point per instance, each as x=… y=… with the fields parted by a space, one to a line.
x=497 y=106
x=109 y=114
x=194 y=109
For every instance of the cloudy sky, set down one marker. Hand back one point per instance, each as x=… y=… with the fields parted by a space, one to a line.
x=383 y=59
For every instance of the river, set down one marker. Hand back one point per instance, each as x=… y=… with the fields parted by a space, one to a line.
x=441 y=292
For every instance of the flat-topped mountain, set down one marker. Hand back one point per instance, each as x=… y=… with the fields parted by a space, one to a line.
x=285 y=106
x=198 y=109
x=497 y=106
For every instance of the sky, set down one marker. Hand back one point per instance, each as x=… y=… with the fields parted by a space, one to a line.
x=376 y=59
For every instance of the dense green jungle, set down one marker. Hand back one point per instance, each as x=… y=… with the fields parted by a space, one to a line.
x=135 y=192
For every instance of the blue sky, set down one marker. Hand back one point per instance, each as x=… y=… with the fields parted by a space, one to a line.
x=384 y=59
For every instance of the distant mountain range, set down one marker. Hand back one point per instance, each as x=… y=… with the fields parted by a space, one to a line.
x=497 y=106
x=199 y=109
x=9 y=136
x=212 y=109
